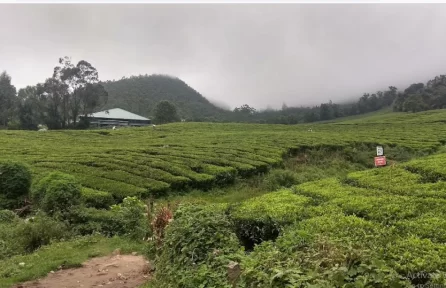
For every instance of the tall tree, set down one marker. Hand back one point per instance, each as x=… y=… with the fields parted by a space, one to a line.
x=84 y=91
x=165 y=112
x=7 y=98
x=245 y=109
x=54 y=93
x=30 y=108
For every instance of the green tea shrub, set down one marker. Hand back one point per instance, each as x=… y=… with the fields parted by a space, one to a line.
x=412 y=256
x=198 y=245
x=223 y=175
x=15 y=181
x=86 y=221
x=298 y=259
x=385 y=209
x=57 y=193
x=261 y=218
x=428 y=226
x=96 y=199
x=350 y=227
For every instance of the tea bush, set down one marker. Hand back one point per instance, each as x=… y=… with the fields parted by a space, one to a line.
x=261 y=218
x=86 y=221
x=413 y=255
x=429 y=226
x=96 y=199
x=300 y=260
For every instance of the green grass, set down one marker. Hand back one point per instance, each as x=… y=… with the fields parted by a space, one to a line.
x=70 y=254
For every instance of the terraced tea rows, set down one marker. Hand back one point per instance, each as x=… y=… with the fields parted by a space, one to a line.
x=393 y=217
x=180 y=156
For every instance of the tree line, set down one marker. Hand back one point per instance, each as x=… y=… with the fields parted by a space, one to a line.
x=324 y=111
x=74 y=90
x=71 y=91
x=417 y=97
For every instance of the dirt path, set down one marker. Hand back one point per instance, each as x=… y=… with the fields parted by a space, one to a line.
x=118 y=271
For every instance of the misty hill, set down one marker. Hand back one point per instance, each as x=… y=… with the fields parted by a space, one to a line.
x=139 y=94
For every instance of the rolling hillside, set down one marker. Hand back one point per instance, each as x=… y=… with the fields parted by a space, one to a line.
x=199 y=155
x=381 y=227
x=139 y=94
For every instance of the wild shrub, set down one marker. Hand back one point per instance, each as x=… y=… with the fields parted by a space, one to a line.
x=7 y=216
x=40 y=230
x=125 y=219
x=132 y=214
x=57 y=193
x=159 y=223
x=198 y=245
x=15 y=181
x=18 y=236
x=280 y=178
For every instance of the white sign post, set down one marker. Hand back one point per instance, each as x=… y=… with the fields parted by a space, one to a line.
x=379 y=151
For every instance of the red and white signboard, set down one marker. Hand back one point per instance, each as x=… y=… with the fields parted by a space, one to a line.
x=380 y=161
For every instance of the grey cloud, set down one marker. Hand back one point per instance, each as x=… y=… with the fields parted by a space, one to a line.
x=260 y=54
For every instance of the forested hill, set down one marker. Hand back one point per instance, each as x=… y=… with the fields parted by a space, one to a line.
x=139 y=94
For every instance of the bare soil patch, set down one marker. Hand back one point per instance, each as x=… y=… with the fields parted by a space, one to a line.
x=116 y=271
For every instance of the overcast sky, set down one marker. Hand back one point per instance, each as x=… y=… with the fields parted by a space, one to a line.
x=260 y=54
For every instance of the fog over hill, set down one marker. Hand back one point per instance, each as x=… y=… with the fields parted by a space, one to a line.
x=260 y=54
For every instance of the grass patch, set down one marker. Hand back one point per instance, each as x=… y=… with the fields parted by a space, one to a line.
x=66 y=254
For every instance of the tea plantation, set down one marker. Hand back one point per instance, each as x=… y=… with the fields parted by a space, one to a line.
x=368 y=227
x=177 y=157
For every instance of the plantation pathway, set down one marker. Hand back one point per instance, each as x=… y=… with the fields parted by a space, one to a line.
x=118 y=271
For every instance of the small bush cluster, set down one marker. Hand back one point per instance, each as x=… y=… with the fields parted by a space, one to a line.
x=15 y=182
x=7 y=216
x=197 y=248
x=96 y=199
x=25 y=236
x=57 y=194
x=63 y=209
x=125 y=219
x=280 y=178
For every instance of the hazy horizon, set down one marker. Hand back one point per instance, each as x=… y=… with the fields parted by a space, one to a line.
x=259 y=54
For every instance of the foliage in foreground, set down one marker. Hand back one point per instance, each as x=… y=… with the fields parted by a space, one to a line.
x=196 y=249
x=57 y=194
x=375 y=228
x=15 y=182
x=67 y=254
